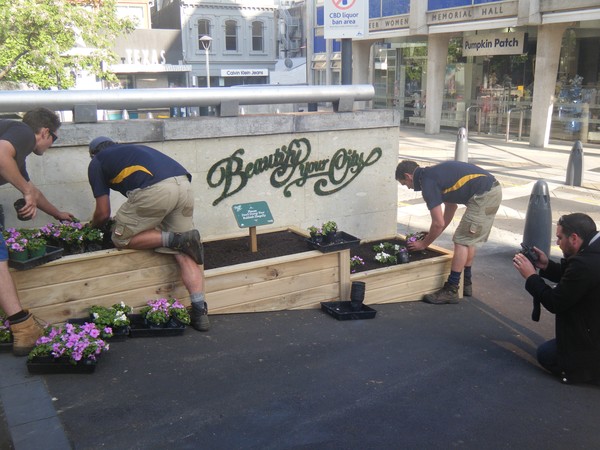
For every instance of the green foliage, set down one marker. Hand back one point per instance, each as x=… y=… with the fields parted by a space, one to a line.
x=40 y=39
x=115 y=316
x=5 y=334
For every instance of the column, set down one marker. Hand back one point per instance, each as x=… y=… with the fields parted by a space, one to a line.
x=437 y=55
x=544 y=82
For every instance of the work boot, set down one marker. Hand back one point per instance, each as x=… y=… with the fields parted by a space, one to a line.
x=189 y=243
x=199 y=317
x=447 y=294
x=468 y=288
x=25 y=333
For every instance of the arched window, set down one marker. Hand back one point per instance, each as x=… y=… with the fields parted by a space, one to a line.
x=257 y=36
x=231 y=35
x=203 y=30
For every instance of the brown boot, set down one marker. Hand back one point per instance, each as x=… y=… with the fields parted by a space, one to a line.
x=199 y=316
x=447 y=294
x=25 y=333
x=189 y=243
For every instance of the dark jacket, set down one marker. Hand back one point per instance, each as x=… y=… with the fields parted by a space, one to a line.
x=576 y=303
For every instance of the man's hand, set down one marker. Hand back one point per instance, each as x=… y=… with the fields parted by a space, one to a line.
x=63 y=215
x=542 y=261
x=415 y=246
x=31 y=203
x=524 y=266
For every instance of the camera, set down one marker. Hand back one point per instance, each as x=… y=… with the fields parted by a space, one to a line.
x=529 y=253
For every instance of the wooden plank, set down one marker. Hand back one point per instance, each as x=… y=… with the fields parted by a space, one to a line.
x=309 y=298
x=119 y=284
x=274 y=268
x=403 y=291
x=273 y=288
x=137 y=298
x=80 y=267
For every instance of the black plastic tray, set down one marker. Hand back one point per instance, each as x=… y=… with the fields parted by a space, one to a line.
x=52 y=253
x=45 y=365
x=6 y=347
x=342 y=241
x=139 y=329
x=344 y=311
x=119 y=334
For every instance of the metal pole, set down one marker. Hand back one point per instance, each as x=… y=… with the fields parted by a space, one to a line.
x=346 y=61
x=207 y=67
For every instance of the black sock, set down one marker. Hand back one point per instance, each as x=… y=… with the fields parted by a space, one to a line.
x=15 y=318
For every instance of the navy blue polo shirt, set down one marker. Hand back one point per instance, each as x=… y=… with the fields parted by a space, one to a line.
x=451 y=182
x=125 y=167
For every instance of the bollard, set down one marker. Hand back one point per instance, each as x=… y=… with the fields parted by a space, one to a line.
x=538 y=219
x=461 y=152
x=575 y=165
x=125 y=115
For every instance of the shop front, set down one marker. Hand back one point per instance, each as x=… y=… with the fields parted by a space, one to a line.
x=489 y=81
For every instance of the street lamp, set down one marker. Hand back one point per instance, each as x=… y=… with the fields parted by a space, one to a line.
x=206 y=40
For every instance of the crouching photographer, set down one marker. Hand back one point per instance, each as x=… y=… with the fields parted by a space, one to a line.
x=574 y=354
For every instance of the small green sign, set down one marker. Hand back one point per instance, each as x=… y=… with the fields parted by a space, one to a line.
x=252 y=214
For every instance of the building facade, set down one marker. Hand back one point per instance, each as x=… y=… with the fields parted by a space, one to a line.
x=239 y=45
x=481 y=63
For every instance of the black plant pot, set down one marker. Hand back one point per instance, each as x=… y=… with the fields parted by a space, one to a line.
x=357 y=295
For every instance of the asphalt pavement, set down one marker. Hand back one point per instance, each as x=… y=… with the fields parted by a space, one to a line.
x=415 y=376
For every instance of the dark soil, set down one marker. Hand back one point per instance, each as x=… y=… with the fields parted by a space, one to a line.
x=271 y=245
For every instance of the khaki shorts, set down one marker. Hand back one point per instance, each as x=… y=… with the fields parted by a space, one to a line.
x=476 y=223
x=167 y=206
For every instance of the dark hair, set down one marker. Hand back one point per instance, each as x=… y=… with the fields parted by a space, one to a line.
x=39 y=118
x=405 y=166
x=101 y=147
x=580 y=224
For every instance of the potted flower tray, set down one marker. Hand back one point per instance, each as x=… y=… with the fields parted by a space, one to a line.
x=51 y=254
x=139 y=328
x=51 y=365
x=341 y=241
x=119 y=333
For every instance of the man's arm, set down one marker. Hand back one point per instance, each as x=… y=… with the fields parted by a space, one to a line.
x=449 y=211
x=44 y=204
x=33 y=196
x=102 y=211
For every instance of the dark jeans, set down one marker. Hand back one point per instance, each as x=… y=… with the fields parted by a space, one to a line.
x=547 y=356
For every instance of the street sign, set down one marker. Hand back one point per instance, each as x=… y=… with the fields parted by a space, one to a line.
x=346 y=19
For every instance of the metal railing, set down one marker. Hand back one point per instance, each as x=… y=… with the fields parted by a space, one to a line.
x=226 y=100
x=521 y=110
x=467 y=113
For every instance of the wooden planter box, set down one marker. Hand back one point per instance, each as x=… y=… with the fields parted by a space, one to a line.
x=68 y=287
x=406 y=282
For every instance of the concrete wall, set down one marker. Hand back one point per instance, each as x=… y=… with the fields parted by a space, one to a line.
x=362 y=199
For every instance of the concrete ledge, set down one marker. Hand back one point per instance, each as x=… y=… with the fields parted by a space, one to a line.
x=159 y=130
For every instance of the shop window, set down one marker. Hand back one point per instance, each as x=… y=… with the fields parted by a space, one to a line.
x=257 y=36
x=231 y=36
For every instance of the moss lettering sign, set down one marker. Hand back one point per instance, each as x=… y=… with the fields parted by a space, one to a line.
x=290 y=165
